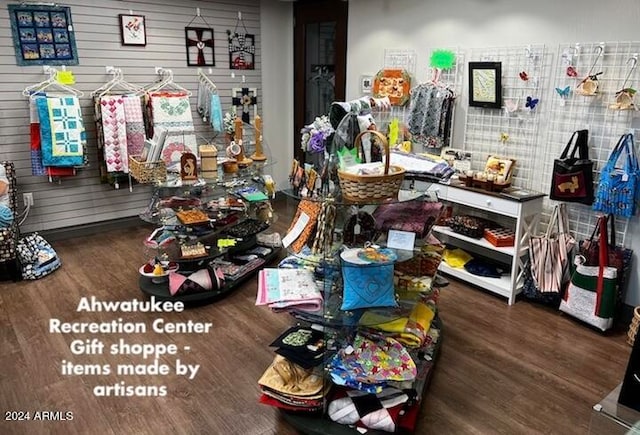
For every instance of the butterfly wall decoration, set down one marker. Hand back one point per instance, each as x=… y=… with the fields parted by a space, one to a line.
x=571 y=71
x=564 y=92
x=523 y=76
x=511 y=105
x=531 y=102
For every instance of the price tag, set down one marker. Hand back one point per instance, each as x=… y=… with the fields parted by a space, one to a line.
x=65 y=78
x=401 y=240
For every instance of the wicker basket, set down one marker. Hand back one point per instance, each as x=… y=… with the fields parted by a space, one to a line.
x=633 y=328
x=147 y=172
x=372 y=188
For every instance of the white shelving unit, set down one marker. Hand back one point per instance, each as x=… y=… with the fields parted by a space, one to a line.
x=522 y=215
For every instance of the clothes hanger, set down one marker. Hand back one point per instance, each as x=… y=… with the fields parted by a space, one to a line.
x=167 y=83
x=116 y=82
x=51 y=83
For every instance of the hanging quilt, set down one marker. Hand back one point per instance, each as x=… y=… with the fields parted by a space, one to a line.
x=61 y=130
x=173 y=112
x=36 y=150
x=114 y=134
x=43 y=35
x=135 y=124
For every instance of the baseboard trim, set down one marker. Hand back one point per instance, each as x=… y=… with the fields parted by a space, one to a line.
x=89 y=229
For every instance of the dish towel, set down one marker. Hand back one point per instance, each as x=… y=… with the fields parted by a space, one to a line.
x=114 y=133
x=62 y=133
x=216 y=113
x=173 y=112
x=134 y=124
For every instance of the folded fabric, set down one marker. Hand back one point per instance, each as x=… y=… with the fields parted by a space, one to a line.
x=483 y=268
x=411 y=331
x=370 y=410
x=456 y=257
x=416 y=216
x=288 y=378
x=200 y=281
x=288 y=288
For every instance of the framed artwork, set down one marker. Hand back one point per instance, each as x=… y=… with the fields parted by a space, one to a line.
x=242 y=49
x=245 y=98
x=133 y=30
x=43 y=35
x=199 y=43
x=485 y=84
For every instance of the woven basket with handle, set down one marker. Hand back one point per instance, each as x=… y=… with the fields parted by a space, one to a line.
x=372 y=188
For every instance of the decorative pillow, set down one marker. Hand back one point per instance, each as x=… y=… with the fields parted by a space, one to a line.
x=367 y=283
x=203 y=280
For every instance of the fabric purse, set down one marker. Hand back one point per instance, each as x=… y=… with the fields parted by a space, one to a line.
x=37 y=256
x=619 y=257
x=572 y=178
x=207 y=279
x=591 y=294
x=550 y=252
x=618 y=186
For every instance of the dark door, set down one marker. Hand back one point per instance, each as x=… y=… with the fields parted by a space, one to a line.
x=320 y=52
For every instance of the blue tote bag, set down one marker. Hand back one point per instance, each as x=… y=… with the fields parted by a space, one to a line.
x=618 y=185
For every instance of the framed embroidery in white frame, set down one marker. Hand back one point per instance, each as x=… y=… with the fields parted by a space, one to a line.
x=133 y=30
x=485 y=84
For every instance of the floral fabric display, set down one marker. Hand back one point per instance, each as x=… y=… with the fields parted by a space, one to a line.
x=315 y=135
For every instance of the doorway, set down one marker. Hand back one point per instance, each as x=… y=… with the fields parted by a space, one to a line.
x=320 y=61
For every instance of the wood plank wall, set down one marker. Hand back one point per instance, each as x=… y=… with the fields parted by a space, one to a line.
x=82 y=199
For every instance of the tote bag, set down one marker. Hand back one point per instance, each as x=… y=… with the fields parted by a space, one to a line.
x=591 y=294
x=550 y=252
x=618 y=186
x=572 y=178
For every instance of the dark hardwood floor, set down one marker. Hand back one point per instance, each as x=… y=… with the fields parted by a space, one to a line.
x=511 y=370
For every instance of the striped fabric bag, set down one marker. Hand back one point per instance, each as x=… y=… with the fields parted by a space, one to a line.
x=550 y=252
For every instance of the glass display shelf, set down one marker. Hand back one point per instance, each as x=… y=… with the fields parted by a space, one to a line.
x=403 y=196
x=321 y=424
x=610 y=417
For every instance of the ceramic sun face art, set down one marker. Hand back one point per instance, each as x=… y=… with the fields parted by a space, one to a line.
x=394 y=84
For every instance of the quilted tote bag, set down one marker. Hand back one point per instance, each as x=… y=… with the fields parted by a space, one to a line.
x=618 y=186
x=572 y=178
x=549 y=253
x=591 y=294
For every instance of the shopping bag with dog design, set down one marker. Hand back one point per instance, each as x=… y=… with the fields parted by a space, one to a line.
x=572 y=179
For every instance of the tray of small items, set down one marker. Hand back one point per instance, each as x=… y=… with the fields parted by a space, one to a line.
x=193 y=216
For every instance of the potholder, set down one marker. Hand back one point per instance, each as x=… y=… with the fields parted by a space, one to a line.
x=311 y=209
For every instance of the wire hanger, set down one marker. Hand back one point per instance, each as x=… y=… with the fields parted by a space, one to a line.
x=633 y=60
x=196 y=16
x=117 y=82
x=50 y=83
x=166 y=83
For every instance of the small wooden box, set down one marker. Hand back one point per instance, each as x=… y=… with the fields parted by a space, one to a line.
x=500 y=237
x=208 y=162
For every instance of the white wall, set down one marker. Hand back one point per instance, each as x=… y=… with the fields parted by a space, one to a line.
x=420 y=25
x=277 y=84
